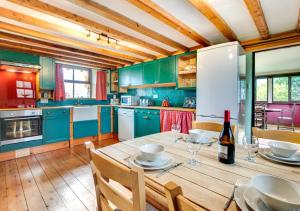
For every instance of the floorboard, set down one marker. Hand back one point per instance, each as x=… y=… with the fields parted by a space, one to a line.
x=56 y=180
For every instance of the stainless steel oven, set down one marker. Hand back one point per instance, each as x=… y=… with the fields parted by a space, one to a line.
x=20 y=126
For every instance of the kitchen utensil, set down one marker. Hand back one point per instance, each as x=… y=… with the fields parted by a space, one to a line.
x=166 y=170
x=265 y=154
x=152 y=152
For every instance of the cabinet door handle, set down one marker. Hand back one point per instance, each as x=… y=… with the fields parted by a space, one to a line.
x=145 y=117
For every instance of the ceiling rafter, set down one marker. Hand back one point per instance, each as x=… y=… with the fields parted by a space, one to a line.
x=89 y=24
x=156 y=11
x=27 y=42
x=256 y=11
x=212 y=15
x=125 y=21
x=50 y=26
x=62 y=43
x=27 y=49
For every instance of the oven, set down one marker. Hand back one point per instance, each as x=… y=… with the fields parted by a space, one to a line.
x=20 y=126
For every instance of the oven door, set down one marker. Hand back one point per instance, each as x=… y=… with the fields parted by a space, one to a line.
x=20 y=129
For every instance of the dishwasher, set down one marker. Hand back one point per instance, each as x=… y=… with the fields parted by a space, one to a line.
x=125 y=124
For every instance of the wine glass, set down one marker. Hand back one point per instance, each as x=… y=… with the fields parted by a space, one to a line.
x=193 y=146
x=175 y=130
x=251 y=148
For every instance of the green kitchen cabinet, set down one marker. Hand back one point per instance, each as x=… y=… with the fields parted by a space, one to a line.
x=115 y=116
x=47 y=73
x=151 y=72
x=146 y=122
x=105 y=120
x=56 y=125
x=167 y=73
x=18 y=57
x=85 y=128
x=21 y=145
x=124 y=76
x=136 y=75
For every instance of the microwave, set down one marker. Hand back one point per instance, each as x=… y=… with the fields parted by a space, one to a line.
x=130 y=100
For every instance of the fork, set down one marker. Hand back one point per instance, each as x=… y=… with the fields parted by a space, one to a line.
x=236 y=185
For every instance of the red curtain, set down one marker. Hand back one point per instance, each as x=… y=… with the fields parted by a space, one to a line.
x=59 y=93
x=183 y=118
x=101 y=86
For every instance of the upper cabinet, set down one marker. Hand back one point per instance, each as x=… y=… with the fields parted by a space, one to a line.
x=186 y=70
x=47 y=73
x=17 y=57
x=162 y=71
x=114 y=81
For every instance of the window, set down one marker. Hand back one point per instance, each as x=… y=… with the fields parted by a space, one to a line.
x=281 y=89
x=77 y=82
x=295 y=88
x=243 y=89
x=262 y=89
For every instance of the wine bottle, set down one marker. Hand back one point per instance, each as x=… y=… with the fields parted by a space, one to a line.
x=226 y=147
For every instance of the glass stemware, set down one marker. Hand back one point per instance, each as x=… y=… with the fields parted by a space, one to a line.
x=175 y=130
x=193 y=146
x=251 y=148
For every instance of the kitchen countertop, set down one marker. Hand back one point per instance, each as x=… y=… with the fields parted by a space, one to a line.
x=121 y=106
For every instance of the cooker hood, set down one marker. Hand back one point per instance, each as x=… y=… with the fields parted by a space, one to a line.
x=19 y=67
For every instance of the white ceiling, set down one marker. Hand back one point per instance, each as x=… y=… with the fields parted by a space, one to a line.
x=283 y=60
x=280 y=15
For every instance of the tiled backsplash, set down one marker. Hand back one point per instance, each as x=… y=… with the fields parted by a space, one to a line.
x=74 y=101
x=176 y=96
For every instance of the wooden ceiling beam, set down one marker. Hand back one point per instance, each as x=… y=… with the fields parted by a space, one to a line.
x=50 y=46
x=89 y=24
x=154 y=10
x=212 y=15
x=275 y=41
x=33 y=50
x=256 y=11
x=57 y=28
x=62 y=41
x=125 y=21
x=76 y=62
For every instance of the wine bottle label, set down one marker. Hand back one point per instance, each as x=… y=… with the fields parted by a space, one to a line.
x=223 y=151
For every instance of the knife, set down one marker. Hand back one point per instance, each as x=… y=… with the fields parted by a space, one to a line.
x=166 y=170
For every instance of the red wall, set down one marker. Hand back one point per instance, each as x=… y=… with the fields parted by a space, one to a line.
x=8 y=89
x=272 y=116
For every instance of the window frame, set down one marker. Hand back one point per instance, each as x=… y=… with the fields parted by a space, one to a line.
x=262 y=101
x=79 y=82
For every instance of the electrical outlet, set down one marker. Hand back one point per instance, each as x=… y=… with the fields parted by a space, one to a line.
x=155 y=96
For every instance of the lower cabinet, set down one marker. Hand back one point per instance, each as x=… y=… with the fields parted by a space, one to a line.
x=115 y=116
x=56 y=125
x=146 y=122
x=105 y=120
x=85 y=128
x=21 y=145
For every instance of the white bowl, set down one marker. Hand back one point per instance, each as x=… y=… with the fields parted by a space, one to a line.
x=283 y=149
x=151 y=152
x=277 y=193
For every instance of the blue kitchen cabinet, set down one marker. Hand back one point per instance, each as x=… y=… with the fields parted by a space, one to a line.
x=105 y=120
x=56 y=125
x=85 y=128
x=115 y=116
x=21 y=145
x=146 y=122
x=18 y=57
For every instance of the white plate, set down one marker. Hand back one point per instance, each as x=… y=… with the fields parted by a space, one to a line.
x=294 y=158
x=239 y=197
x=163 y=159
x=252 y=199
x=169 y=163
x=264 y=153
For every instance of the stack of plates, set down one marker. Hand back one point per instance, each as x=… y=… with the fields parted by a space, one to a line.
x=161 y=162
x=293 y=160
x=247 y=198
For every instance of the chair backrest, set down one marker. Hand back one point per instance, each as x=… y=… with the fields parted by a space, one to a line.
x=106 y=169
x=211 y=126
x=176 y=200
x=88 y=147
x=293 y=110
x=278 y=135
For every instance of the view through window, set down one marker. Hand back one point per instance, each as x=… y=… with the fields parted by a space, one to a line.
x=77 y=82
x=261 y=89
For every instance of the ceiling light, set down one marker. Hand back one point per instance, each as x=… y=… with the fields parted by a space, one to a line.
x=89 y=33
x=18 y=71
x=99 y=37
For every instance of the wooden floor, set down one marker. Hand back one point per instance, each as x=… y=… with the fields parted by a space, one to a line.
x=57 y=180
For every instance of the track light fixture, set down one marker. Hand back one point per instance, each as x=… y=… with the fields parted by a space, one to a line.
x=105 y=36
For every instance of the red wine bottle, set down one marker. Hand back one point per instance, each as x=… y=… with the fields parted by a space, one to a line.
x=226 y=148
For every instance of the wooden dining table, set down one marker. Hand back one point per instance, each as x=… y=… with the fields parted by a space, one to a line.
x=208 y=184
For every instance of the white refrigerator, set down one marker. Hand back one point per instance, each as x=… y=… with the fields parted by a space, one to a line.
x=217 y=82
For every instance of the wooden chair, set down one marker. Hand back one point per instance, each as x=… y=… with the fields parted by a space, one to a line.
x=260 y=115
x=277 y=135
x=176 y=200
x=109 y=197
x=211 y=126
